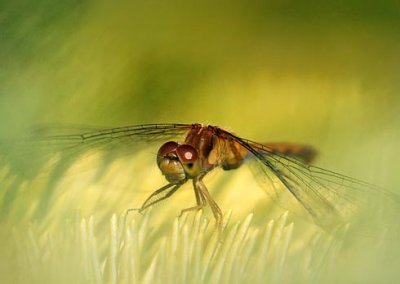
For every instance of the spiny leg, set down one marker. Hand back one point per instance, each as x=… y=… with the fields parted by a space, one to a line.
x=147 y=204
x=200 y=200
x=214 y=206
x=148 y=201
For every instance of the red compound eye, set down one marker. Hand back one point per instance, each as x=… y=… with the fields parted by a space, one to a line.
x=167 y=148
x=187 y=154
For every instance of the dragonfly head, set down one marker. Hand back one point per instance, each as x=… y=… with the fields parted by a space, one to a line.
x=178 y=162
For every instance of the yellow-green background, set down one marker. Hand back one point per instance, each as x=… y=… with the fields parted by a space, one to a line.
x=325 y=74
x=268 y=70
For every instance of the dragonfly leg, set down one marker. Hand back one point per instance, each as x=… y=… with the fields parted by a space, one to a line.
x=157 y=196
x=201 y=187
x=200 y=199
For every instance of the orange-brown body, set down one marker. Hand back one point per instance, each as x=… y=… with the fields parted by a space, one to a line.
x=216 y=148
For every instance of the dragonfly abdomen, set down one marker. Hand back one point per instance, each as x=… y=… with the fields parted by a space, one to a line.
x=305 y=153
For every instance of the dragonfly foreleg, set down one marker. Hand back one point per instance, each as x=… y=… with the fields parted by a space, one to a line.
x=157 y=196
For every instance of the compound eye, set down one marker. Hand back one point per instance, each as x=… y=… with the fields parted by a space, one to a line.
x=167 y=148
x=187 y=154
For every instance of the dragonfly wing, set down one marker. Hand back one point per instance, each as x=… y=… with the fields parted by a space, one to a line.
x=330 y=198
x=29 y=154
x=120 y=135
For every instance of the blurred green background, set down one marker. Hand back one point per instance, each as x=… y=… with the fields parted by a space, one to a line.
x=326 y=74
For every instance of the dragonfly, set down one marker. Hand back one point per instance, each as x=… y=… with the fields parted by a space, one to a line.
x=190 y=151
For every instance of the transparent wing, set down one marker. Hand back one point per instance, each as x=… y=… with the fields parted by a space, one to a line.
x=29 y=154
x=120 y=135
x=330 y=198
